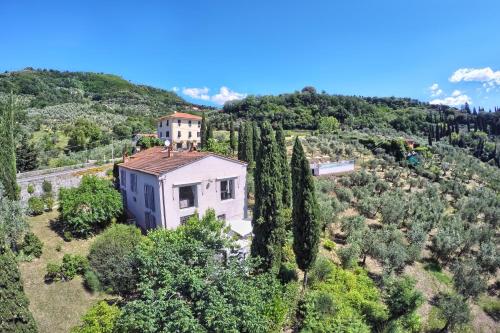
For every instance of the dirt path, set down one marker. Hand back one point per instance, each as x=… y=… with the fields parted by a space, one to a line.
x=57 y=307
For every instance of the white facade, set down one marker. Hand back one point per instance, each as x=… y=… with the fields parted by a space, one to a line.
x=211 y=182
x=334 y=168
x=182 y=132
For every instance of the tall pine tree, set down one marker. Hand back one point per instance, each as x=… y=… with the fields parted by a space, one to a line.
x=268 y=224
x=8 y=149
x=285 y=168
x=305 y=221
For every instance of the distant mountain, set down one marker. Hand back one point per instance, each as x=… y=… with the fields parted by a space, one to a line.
x=55 y=98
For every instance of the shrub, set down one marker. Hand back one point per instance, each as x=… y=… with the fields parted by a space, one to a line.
x=111 y=258
x=47 y=186
x=491 y=306
x=53 y=272
x=49 y=201
x=344 y=194
x=91 y=281
x=72 y=264
x=321 y=270
x=90 y=206
x=329 y=245
x=32 y=245
x=100 y=318
x=401 y=296
x=36 y=206
x=31 y=189
x=343 y=301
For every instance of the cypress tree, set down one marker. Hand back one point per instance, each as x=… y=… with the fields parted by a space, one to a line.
x=210 y=131
x=430 y=135
x=268 y=225
x=8 y=150
x=241 y=141
x=249 y=153
x=232 y=137
x=285 y=168
x=255 y=139
x=15 y=315
x=203 y=131
x=305 y=221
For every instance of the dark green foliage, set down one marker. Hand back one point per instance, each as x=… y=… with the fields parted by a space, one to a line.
x=8 y=150
x=12 y=222
x=185 y=288
x=26 y=155
x=36 y=206
x=46 y=186
x=268 y=225
x=15 y=316
x=454 y=310
x=241 y=141
x=206 y=131
x=91 y=281
x=111 y=258
x=90 y=206
x=306 y=224
x=232 y=137
x=285 y=168
x=32 y=245
x=468 y=278
x=148 y=142
x=401 y=297
x=249 y=154
x=84 y=134
x=255 y=139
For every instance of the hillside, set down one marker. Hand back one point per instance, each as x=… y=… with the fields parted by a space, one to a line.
x=51 y=97
x=474 y=130
x=69 y=117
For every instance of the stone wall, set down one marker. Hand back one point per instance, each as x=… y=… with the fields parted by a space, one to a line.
x=58 y=178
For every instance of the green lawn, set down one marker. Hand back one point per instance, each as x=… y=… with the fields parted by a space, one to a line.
x=57 y=307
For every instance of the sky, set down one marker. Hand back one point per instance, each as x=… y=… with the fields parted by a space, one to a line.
x=209 y=52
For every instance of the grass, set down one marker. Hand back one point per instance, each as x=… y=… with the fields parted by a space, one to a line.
x=57 y=307
x=491 y=306
x=436 y=271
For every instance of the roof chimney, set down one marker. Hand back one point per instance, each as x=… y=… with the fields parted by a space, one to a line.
x=125 y=157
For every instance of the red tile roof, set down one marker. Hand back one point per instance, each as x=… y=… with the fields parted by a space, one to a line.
x=155 y=160
x=181 y=115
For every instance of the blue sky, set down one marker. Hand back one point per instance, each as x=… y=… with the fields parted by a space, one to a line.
x=213 y=51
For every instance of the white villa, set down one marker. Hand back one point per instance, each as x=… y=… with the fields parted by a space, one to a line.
x=181 y=129
x=162 y=188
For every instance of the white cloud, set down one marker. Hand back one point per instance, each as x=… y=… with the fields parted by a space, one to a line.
x=456 y=93
x=454 y=100
x=197 y=93
x=435 y=90
x=175 y=89
x=225 y=94
x=476 y=75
